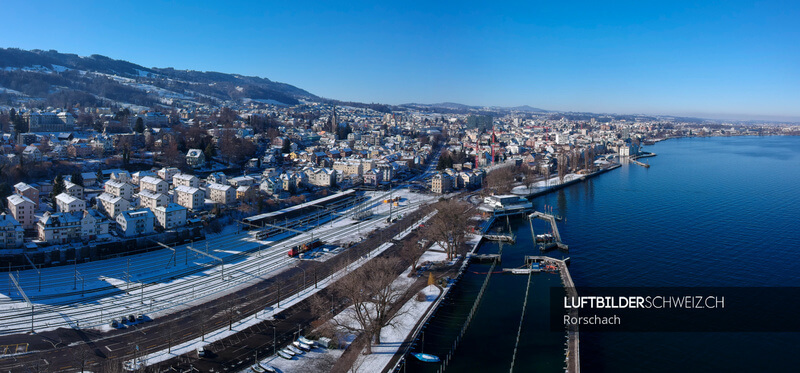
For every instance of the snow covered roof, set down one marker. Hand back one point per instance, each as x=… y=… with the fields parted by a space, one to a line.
x=186 y=189
x=151 y=180
x=16 y=199
x=221 y=187
x=108 y=197
x=66 y=198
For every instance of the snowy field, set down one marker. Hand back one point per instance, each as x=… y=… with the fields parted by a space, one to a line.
x=544 y=184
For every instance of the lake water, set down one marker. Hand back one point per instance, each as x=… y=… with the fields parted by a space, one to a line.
x=708 y=212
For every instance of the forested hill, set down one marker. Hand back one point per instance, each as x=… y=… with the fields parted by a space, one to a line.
x=61 y=79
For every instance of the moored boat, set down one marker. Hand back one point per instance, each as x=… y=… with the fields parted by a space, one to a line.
x=428 y=358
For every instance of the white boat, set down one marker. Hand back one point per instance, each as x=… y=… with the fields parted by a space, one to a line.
x=286 y=355
x=257 y=368
x=307 y=341
x=288 y=351
x=294 y=349
x=301 y=345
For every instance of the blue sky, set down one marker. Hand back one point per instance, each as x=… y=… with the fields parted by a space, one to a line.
x=723 y=58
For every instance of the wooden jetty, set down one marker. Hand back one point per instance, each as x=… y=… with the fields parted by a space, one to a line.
x=556 y=240
x=645 y=165
x=573 y=337
x=485 y=257
x=524 y=270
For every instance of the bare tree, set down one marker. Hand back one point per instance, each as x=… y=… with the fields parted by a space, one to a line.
x=588 y=158
x=562 y=166
x=499 y=181
x=373 y=295
x=81 y=355
x=412 y=250
x=449 y=226
x=231 y=310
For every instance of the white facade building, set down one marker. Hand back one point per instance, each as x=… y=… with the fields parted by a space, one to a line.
x=22 y=210
x=170 y=216
x=112 y=205
x=153 y=184
x=191 y=198
x=186 y=180
x=119 y=189
x=223 y=194
x=68 y=203
x=135 y=222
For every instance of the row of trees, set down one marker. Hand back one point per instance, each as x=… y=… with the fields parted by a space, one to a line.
x=371 y=289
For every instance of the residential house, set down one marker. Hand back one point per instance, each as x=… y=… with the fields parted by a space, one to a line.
x=245 y=192
x=22 y=210
x=68 y=203
x=189 y=197
x=170 y=216
x=186 y=180
x=195 y=158
x=323 y=177
x=223 y=194
x=241 y=181
x=120 y=189
x=28 y=191
x=73 y=189
x=135 y=222
x=373 y=177
x=152 y=199
x=348 y=168
x=31 y=154
x=153 y=184
x=441 y=183
x=12 y=234
x=217 y=177
x=136 y=178
x=89 y=178
x=167 y=173
x=120 y=175
x=272 y=185
x=64 y=227
x=79 y=150
x=112 y=205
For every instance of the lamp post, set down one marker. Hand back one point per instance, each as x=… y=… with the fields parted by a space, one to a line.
x=274 y=346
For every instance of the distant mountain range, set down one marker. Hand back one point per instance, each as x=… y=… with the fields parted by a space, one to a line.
x=461 y=108
x=59 y=78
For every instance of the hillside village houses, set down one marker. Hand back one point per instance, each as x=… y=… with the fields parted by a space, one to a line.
x=186 y=180
x=138 y=222
x=189 y=197
x=12 y=235
x=28 y=191
x=64 y=227
x=112 y=205
x=22 y=209
x=151 y=200
x=167 y=173
x=170 y=216
x=68 y=203
x=153 y=184
x=222 y=194
x=195 y=158
x=119 y=188
x=74 y=190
